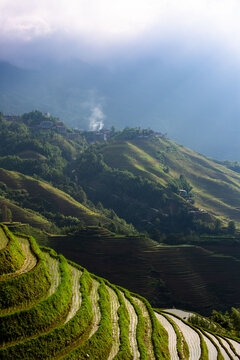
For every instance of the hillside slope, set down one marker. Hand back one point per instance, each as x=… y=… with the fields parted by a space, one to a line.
x=27 y=216
x=161 y=273
x=79 y=315
x=42 y=197
x=137 y=173
x=216 y=188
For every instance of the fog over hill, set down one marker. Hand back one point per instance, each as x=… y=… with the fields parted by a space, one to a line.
x=190 y=102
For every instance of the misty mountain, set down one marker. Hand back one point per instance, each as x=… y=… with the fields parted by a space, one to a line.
x=185 y=100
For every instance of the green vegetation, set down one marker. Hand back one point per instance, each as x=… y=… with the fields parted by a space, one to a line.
x=204 y=323
x=137 y=177
x=28 y=217
x=227 y=323
x=47 y=155
x=140 y=333
x=124 y=348
x=139 y=200
x=219 y=354
x=52 y=310
x=31 y=285
x=204 y=176
x=159 y=272
x=99 y=345
x=91 y=202
x=58 y=339
x=142 y=177
x=49 y=206
x=45 y=329
x=85 y=173
x=11 y=256
x=159 y=334
x=204 y=349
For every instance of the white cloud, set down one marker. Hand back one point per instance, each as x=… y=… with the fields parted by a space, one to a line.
x=112 y=23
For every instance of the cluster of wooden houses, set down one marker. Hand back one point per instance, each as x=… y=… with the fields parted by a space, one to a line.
x=48 y=123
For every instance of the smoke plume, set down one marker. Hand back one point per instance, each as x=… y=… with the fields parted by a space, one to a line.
x=96 y=119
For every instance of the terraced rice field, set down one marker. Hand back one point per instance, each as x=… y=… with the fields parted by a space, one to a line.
x=228 y=348
x=94 y=297
x=181 y=313
x=172 y=337
x=30 y=259
x=54 y=273
x=212 y=350
x=53 y=267
x=221 y=348
x=216 y=345
x=76 y=298
x=235 y=345
x=116 y=330
x=81 y=325
x=148 y=327
x=192 y=338
x=132 y=328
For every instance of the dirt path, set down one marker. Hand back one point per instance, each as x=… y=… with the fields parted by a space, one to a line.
x=148 y=327
x=29 y=262
x=133 y=320
x=215 y=340
x=115 y=327
x=212 y=350
x=236 y=345
x=227 y=346
x=76 y=297
x=192 y=338
x=3 y=239
x=54 y=273
x=94 y=297
x=172 y=337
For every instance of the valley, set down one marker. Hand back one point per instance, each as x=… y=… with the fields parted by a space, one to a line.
x=137 y=209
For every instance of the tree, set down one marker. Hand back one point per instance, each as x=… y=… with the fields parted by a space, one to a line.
x=218 y=225
x=235 y=316
x=231 y=227
x=184 y=183
x=156 y=235
x=113 y=130
x=6 y=213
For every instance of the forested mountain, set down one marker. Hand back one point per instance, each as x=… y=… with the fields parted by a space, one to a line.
x=144 y=177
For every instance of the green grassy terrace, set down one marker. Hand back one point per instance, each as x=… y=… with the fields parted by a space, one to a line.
x=52 y=308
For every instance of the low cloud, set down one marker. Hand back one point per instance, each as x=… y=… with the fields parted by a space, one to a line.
x=101 y=26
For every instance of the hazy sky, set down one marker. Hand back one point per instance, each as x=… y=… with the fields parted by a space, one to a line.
x=102 y=29
x=173 y=65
